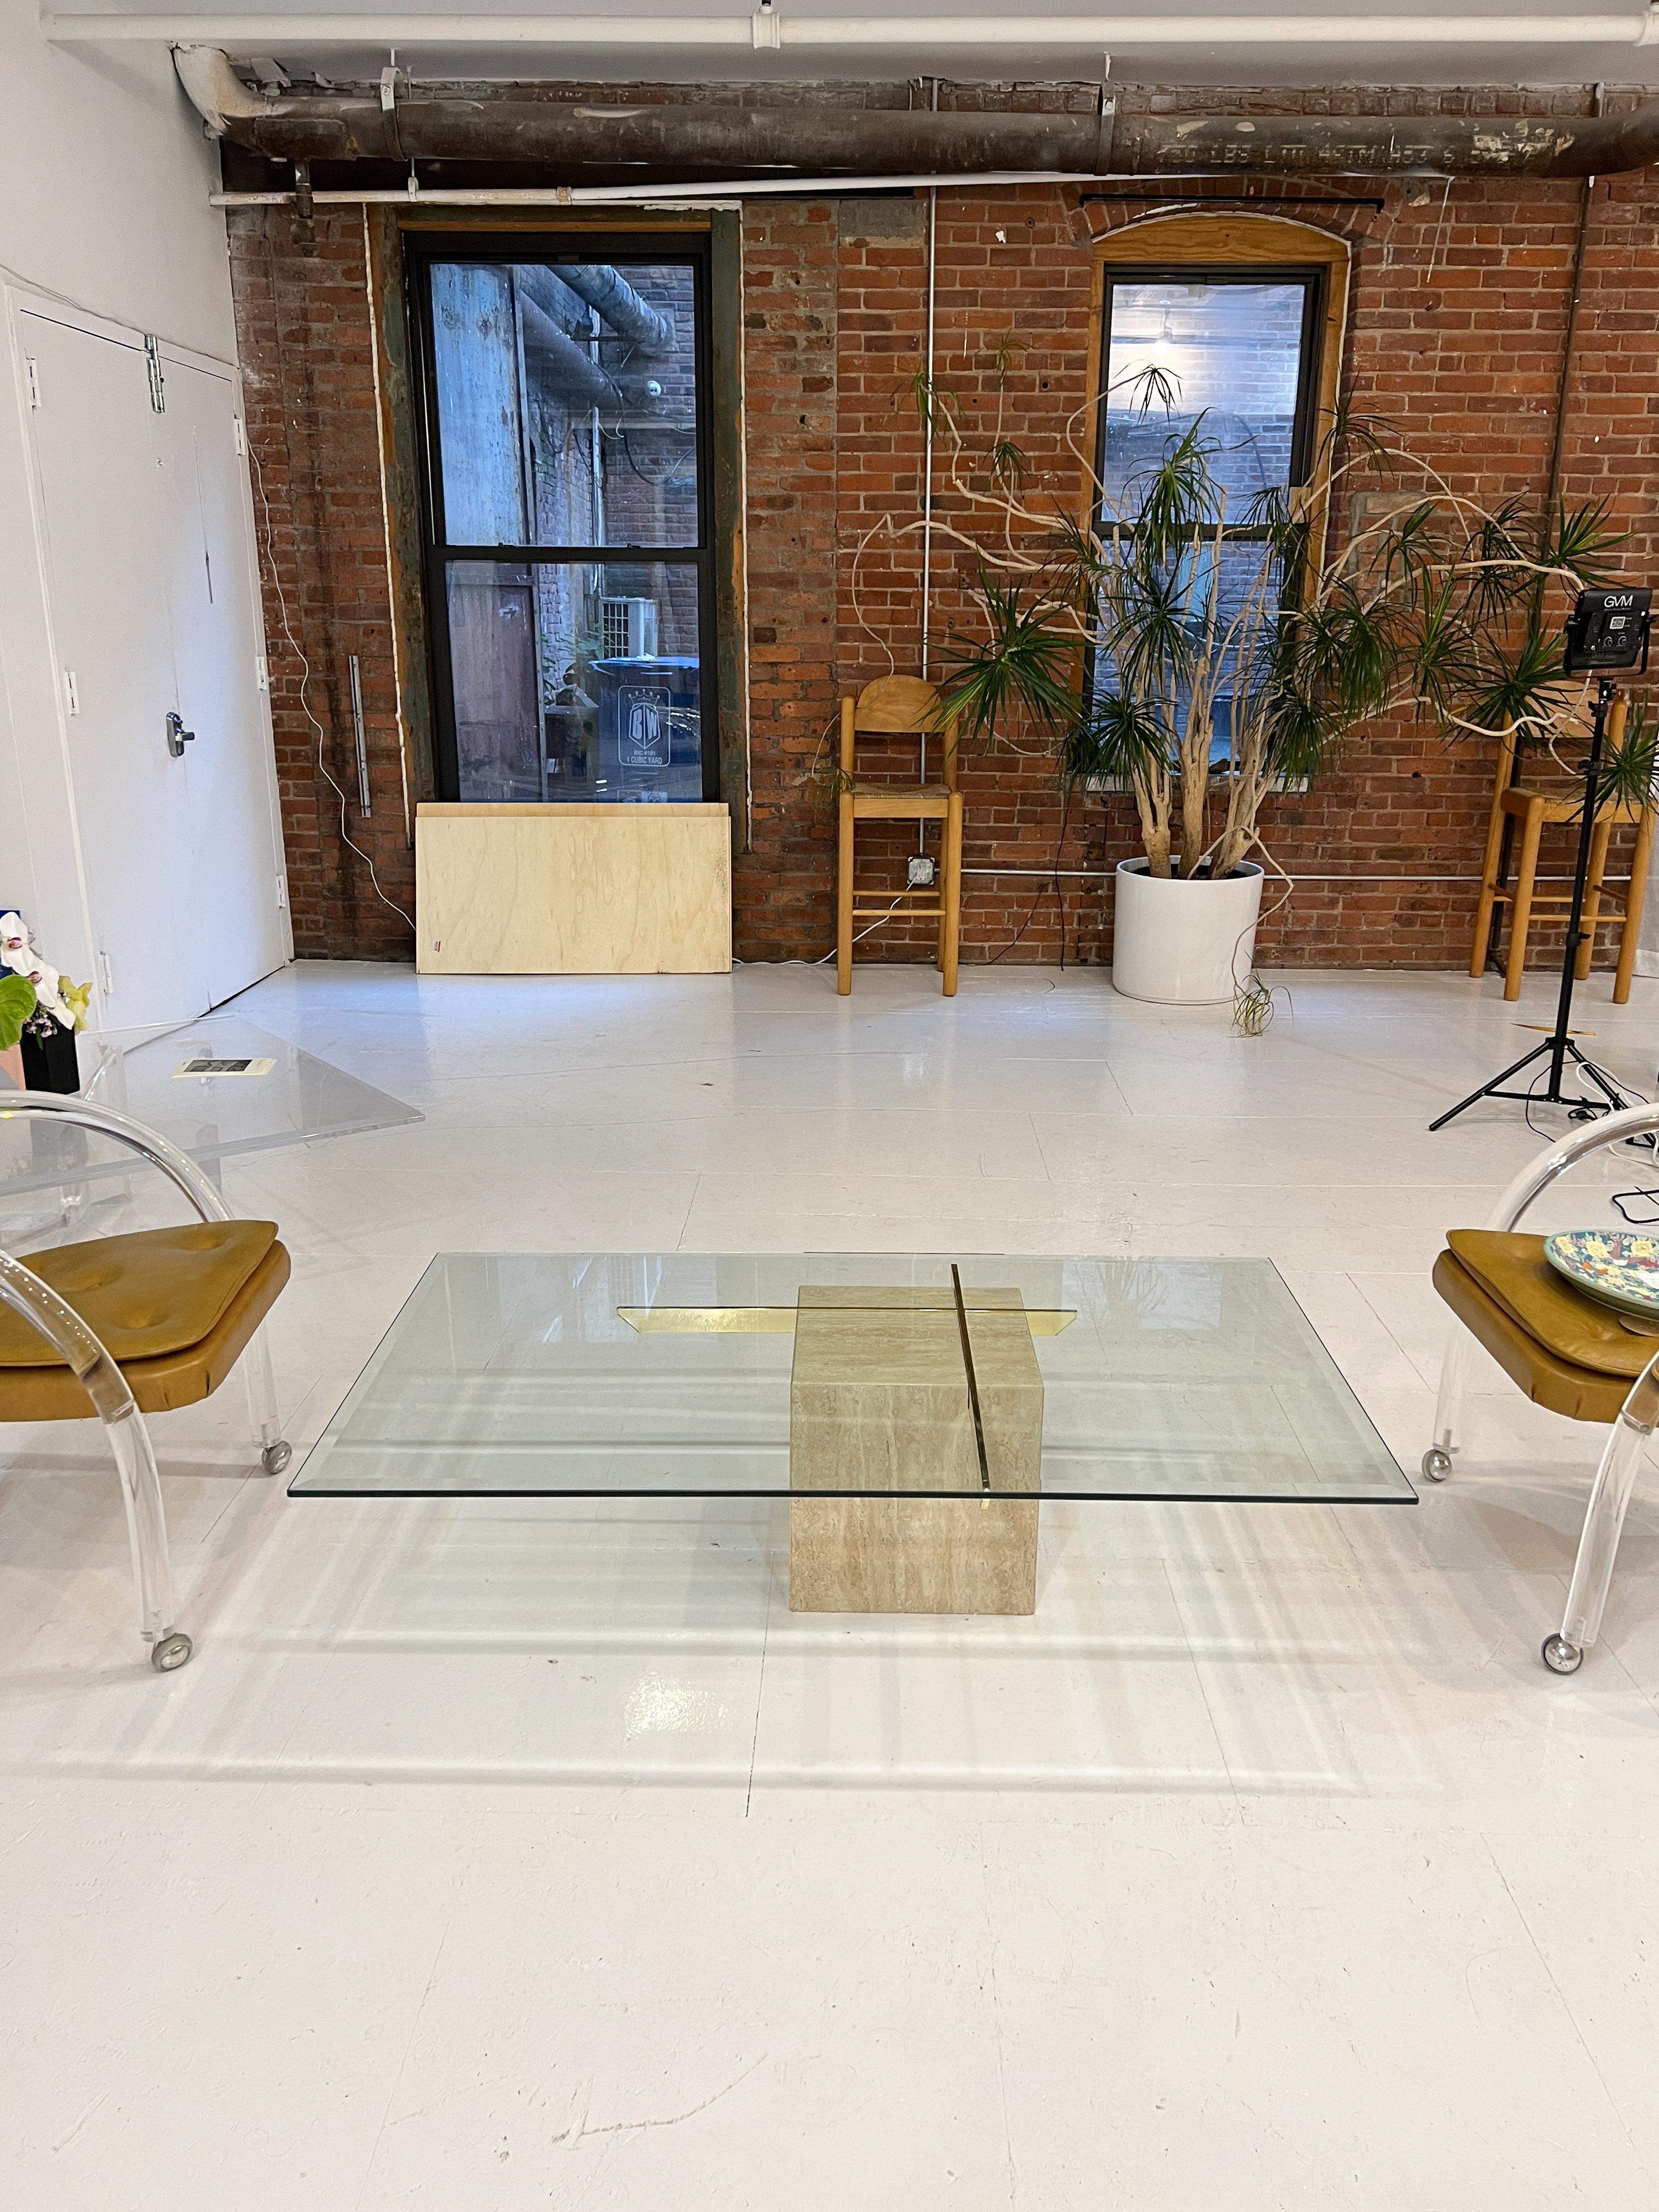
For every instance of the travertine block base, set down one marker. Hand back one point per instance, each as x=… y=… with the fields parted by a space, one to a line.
x=878 y=1400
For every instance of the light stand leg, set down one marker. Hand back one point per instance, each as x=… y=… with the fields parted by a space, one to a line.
x=1559 y=1046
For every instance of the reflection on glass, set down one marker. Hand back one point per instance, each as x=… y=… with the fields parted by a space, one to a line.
x=576 y=680
x=566 y=403
x=531 y=1372
x=1231 y=353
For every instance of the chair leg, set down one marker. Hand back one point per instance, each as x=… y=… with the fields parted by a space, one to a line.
x=1598 y=869
x=1635 y=900
x=263 y=1414
x=1520 y=906
x=1598 y=1547
x=844 y=900
x=1436 y=1461
x=1489 y=887
x=147 y=1535
x=951 y=921
x=129 y=1440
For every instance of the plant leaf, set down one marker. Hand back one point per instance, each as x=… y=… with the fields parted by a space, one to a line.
x=17 y=1003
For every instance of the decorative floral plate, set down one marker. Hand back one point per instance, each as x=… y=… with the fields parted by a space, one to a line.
x=1619 y=1266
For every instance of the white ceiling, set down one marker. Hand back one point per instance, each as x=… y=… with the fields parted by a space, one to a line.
x=1139 y=54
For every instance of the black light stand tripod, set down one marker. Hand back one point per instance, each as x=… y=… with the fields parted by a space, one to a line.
x=1608 y=630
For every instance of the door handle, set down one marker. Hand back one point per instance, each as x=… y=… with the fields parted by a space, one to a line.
x=178 y=736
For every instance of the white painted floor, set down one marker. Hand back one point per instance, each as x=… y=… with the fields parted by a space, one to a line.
x=499 y=1857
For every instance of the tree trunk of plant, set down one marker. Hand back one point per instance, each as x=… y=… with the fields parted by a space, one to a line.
x=1194 y=795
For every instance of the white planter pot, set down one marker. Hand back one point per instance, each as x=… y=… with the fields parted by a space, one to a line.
x=1183 y=944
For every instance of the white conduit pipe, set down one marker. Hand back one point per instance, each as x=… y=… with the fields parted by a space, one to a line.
x=769 y=28
x=700 y=196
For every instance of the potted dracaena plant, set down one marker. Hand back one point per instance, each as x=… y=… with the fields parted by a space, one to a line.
x=1219 y=665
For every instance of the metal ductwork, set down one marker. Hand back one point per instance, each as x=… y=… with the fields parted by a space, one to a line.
x=687 y=143
x=616 y=301
x=564 y=366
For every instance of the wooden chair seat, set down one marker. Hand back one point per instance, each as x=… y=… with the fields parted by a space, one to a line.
x=175 y=1308
x=900 y=802
x=1566 y=1351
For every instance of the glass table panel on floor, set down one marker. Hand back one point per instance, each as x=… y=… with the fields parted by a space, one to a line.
x=913 y=1409
x=217 y=1087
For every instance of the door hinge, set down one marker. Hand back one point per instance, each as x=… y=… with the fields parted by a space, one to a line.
x=262 y=671
x=158 y=399
x=282 y=893
x=71 y=692
x=32 y=371
x=240 y=435
x=104 y=975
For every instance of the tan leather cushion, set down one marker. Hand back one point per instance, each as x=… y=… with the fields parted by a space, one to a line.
x=1514 y=1273
x=1582 y=1393
x=172 y=1378
x=159 y=1291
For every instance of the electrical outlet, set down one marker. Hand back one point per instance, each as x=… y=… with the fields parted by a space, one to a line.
x=919 y=874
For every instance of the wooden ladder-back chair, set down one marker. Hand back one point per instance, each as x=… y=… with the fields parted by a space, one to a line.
x=1531 y=803
x=900 y=706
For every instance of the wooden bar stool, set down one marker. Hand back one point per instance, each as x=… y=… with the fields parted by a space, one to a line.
x=1530 y=806
x=899 y=706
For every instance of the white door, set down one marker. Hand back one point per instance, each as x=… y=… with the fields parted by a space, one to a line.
x=100 y=483
x=155 y=613
x=229 y=767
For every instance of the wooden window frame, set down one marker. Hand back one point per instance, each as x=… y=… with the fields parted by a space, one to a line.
x=1178 y=244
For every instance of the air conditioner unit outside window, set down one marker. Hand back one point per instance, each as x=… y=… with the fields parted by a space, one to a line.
x=630 y=628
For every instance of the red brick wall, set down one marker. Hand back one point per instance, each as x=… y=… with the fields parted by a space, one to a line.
x=1456 y=324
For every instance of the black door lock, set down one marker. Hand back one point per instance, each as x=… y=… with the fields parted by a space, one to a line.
x=178 y=736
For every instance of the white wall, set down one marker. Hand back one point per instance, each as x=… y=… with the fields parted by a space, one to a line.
x=104 y=181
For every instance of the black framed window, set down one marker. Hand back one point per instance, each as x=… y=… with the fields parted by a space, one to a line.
x=564 y=402
x=1239 y=347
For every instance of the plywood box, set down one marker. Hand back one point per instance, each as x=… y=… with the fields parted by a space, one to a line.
x=573 y=891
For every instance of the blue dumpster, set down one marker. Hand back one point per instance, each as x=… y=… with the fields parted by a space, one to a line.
x=650 y=729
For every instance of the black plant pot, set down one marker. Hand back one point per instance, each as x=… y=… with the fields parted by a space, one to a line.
x=50 y=1062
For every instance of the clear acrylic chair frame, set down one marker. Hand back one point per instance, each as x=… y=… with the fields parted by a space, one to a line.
x=1563 y=1651
x=105 y=1386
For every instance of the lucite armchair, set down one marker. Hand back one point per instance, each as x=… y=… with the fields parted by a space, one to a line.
x=1566 y=1352
x=184 y=1308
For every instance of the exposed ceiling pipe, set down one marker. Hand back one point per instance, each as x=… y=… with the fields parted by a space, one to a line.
x=613 y=298
x=684 y=143
x=727 y=193
x=569 y=369
x=770 y=28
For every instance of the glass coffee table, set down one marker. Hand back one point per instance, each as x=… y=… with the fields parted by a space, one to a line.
x=913 y=1409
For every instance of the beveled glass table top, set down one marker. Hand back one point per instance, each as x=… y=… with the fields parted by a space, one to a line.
x=669 y=1374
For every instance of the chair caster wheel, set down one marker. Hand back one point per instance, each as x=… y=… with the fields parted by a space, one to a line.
x=170 y=1651
x=1437 y=1464
x=1560 y=1657
x=275 y=1457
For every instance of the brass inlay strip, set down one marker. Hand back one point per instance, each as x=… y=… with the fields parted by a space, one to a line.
x=780 y=1320
x=973 y=1380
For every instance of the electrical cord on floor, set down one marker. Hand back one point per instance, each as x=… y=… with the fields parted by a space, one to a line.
x=268 y=552
x=877 y=924
x=1621 y=1201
